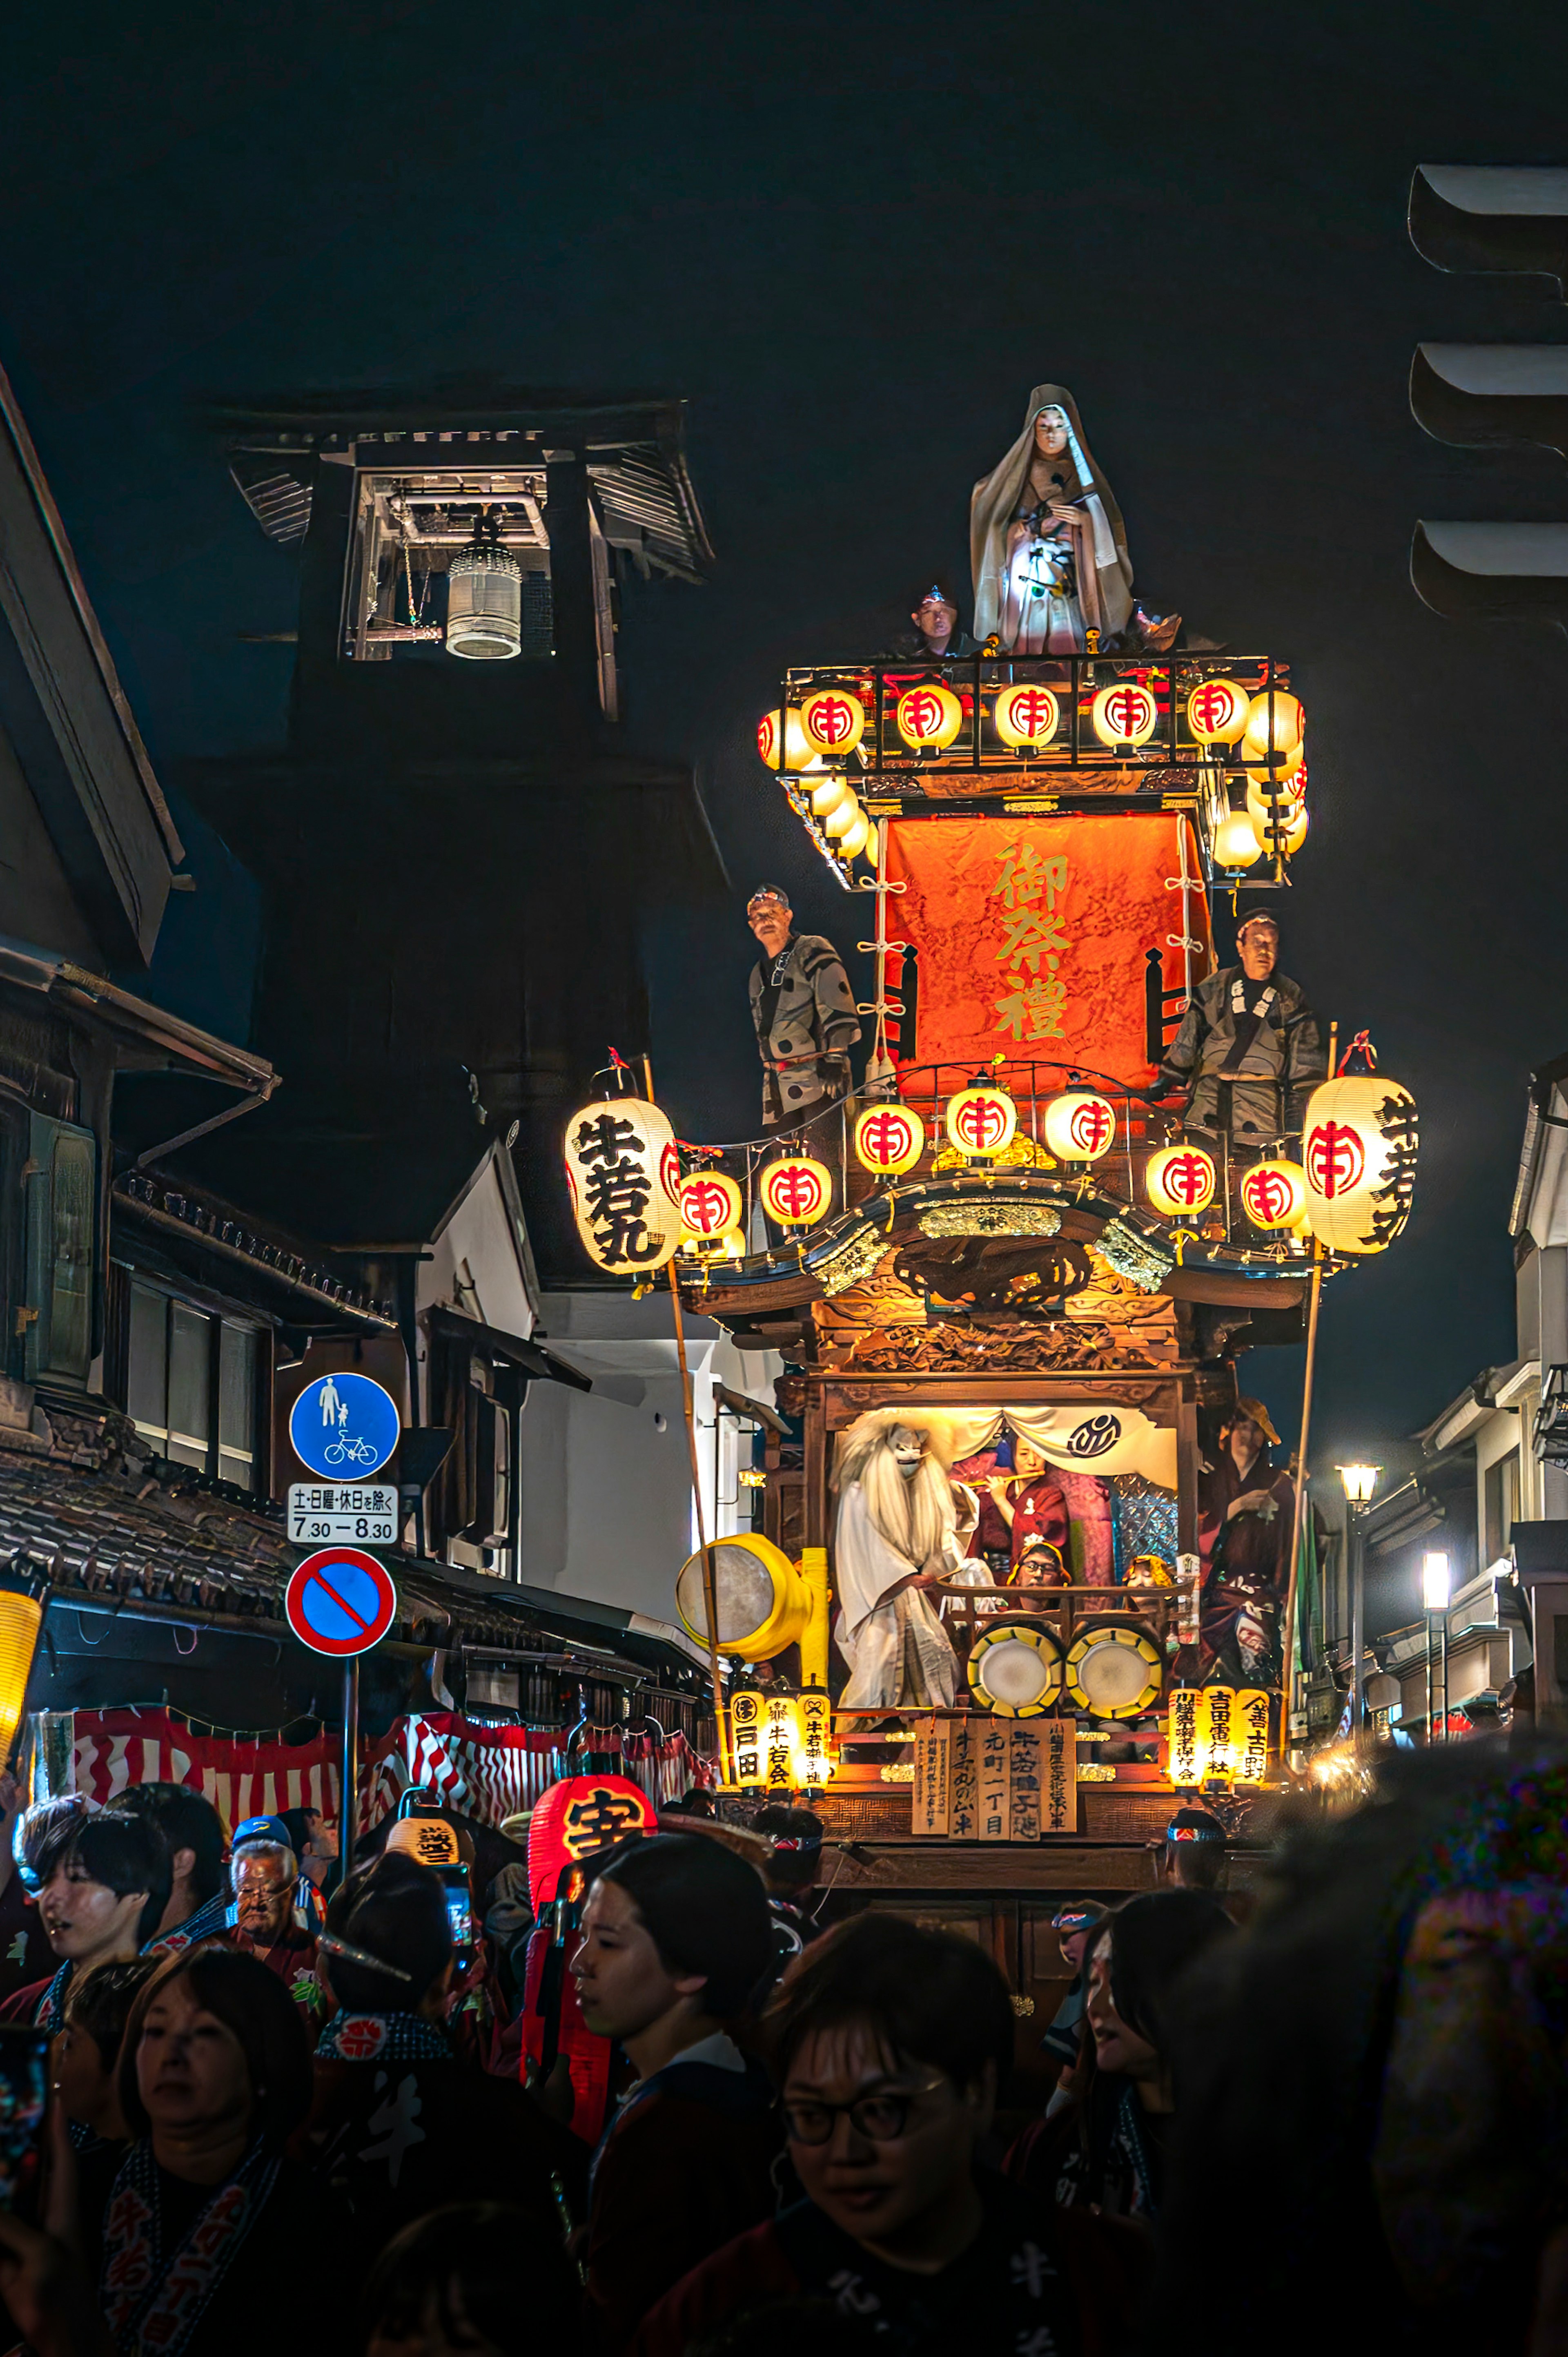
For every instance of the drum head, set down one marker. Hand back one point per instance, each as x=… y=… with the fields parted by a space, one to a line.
x=1014 y=1668
x=1114 y=1672
x=743 y=1584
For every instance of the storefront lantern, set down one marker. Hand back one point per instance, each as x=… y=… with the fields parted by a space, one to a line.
x=1080 y=1126
x=833 y=721
x=799 y=753
x=1216 y=711
x=1179 y=1180
x=1251 y=1745
x=814 y=1763
x=575 y=1820
x=1025 y=716
x=888 y=1140
x=710 y=1202
x=1358 y=1149
x=748 y=1721
x=928 y=717
x=1274 y=1194
x=1218 y=1731
x=1124 y=714
x=1183 y=1753
x=982 y=1121
x=796 y=1191
x=623 y=1175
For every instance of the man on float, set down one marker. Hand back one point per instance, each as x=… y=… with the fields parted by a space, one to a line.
x=1248 y=1051
x=802 y=1010
x=935 y=637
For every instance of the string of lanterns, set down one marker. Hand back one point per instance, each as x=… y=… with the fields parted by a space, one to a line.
x=1268 y=728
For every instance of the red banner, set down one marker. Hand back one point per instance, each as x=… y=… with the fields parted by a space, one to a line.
x=1033 y=935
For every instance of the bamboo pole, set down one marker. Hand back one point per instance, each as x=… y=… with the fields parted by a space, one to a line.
x=1299 y=1519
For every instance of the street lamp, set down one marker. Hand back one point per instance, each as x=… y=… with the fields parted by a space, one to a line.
x=1359 y=1482
x=1435 y=1598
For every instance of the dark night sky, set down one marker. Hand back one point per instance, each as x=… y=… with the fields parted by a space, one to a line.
x=854 y=238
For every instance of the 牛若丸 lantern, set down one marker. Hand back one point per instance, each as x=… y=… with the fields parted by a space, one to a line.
x=888 y=1140
x=1358 y=1149
x=1179 y=1180
x=624 y=1174
x=833 y=721
x=1026 y=716
x=798 y=754
x=796 y=1191
x=710 y=1202
x=928 y=717
x=1080 y=1126
x=1216 y=711
x=762 y=1602
x=1274 y=1194
x=814 y=1763
x=1124 y=714
x=982 y=1121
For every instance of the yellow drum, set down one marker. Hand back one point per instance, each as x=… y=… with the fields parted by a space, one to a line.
x=763 y=1601
x=1015 y=1668
x=1114 y=1671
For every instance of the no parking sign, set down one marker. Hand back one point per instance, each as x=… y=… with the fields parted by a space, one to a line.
x=341 y=1600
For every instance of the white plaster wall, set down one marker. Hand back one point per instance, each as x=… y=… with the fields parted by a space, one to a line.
x=475 y=1266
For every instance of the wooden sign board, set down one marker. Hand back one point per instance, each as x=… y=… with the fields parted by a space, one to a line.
x=1058 y=1799
x=1026 y=1748
x=931 y=1810
x=995 y=1782
x=963 y=1815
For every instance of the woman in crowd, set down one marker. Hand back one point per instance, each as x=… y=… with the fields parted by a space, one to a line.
x=478 y=2277
x=85 y=2063
x=102 y=1885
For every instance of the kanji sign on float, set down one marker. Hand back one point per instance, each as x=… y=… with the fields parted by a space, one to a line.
x=624 y=1174
x=928 y=719
x=888 y=1140
x=796 y=1191
x=982 y=1121
x=710 y=1202
x=1026 y=716
x=1180 y=1181
x=833 y=721
x=1124 y=714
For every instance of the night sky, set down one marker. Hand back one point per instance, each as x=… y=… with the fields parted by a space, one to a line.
x=854 y=238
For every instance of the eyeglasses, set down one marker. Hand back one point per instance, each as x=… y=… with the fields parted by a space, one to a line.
x=881 y=2118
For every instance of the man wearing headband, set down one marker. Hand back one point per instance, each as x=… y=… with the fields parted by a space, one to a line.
x=790 y=1875
x=935 y=637
x=1193 y=1855
x=802 y=1010
x=1248 y=1051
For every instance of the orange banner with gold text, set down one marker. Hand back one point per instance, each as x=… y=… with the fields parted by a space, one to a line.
x=1032 y=935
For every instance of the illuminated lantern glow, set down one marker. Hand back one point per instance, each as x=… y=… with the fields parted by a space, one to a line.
x=1274 y=1194
x=623 y=1175
x=889 y=1140
x=1250 y=1748
x=1080 y=1126
x=1272 y=803
x=1024 y=715
x=798 y=754
x=856 y=836
x=783 y=1742
x=796 y=1191
x=748 y=1719
x=1179 y=1182
x=21 y=1619
x=575 y=1820
x=1274 y=730
x=1358 y=1150
x=1294 y=833
x=827 y=796
x=1216 y=711
x=1218 y=1732
x=814 y=1763
x=982 y=1121
x=843 y=816
x=1124 y=714
x=764 y=1602
x=928 y=717
x=1236 y=843
x=710 y=1202
x=833 y=721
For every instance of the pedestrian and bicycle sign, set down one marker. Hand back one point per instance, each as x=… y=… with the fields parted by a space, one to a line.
x=344 y=1428
x=361 y=1513
x=340 y=1601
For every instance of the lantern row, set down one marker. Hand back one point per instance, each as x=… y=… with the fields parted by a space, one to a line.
x=1269 y=727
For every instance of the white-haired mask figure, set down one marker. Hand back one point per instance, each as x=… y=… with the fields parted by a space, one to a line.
x=894 y=1543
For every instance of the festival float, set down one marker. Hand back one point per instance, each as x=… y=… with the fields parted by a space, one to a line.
x=1029 y=1576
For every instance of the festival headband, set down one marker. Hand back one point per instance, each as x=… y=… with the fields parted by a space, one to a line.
x=1073 y=1918
x=1176 y=1832
x=353 y=1955
x=796 y=1841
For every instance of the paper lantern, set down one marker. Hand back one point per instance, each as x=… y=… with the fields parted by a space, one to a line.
x=1179 y=1180
x=1026 y=716
x=1274 y=729
x=833 y=721
x=781 y=1742
x=1274 y=1194
x=981 y=1121
x=856 y=836
x=842 y=816
x=1295 y=835
x=1216 y=711
x=830 y=794
x=814 y=1763
x=928 y=719
x=623 y=1175
x=1358 y=1149
x=21 y=1619
x=763 y=1601
x=1236 y=843
x=710 y=1202
x=1080 y=1126
x=1250 y=1747
x=1124 y=714
x=798 y=754
x=888 y=1140
x=575 y=1820
x=1218 y=1731
x=796 y=1191
x=748 y=1719
x=1271 y=807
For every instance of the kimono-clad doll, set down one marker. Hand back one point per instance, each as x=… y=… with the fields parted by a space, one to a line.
x=1047 y=541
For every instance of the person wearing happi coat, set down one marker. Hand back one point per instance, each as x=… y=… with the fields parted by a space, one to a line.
x=1047 y=541
x=802 y=1011
x=894 y=1543
x=1248 y=1052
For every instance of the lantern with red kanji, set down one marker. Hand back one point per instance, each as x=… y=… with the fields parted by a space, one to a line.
x=574 y=1821
x=1274 y=1194
x=928 y=717
x=1024 y=715
x=833 y=721
x=1124 y=714
x=1358 y=1149
x=1080 y=1126
x=797 y=753
x=888 y=1140
x=1216 y=711
x=710 y=1203
x=796 y=1191
x=980 y=1121
x=1179 y=1182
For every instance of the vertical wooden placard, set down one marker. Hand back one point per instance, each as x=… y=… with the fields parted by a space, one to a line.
x=995 y=1794
x=1058 y=1812
x=963 y=1815
x=930 y=1811
x=1024 y=1748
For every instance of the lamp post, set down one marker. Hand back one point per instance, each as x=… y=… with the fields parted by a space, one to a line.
x=1359 y=1482
x=1435 y=1598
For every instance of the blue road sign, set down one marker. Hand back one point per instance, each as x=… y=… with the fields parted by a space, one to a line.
x=341 y=1600
x=345 y=1427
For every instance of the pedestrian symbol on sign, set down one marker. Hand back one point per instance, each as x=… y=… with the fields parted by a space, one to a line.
x=345 y=1425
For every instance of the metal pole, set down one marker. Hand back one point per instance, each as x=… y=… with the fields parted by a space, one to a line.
x=1429 y=1731
x=1358 y=1616
x=349 y=1799
x=1288 y=1698
x=1442 y=1659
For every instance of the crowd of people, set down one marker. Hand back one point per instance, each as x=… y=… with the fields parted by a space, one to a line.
x=270 y=2121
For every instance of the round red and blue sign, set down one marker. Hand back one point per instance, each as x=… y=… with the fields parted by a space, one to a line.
x=341 y=1600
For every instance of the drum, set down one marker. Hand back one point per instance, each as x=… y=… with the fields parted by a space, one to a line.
x=1014 y=1668
x=1114 y=1671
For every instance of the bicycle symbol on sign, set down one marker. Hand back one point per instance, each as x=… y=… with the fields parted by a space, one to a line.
x=350 y=1451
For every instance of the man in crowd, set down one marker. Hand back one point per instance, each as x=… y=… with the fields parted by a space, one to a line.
x=802 y=1010
x=1192 y=1855
x=935 y=637
x=198 y=1905
x=790 y=1874
x=102 y=1883
x=262 y=1871
x=1075 y=1926
x=1248 y=1051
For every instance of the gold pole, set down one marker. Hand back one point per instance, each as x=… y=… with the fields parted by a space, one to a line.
x=1298 y=1521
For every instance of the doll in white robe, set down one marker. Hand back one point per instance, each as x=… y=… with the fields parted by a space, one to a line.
x=894 y=1541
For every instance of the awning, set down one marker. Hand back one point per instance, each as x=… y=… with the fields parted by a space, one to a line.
x=529 y=1358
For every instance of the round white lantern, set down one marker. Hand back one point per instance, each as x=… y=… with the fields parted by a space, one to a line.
x=1216 y=711
x=796 y=1191
x=623 y=1175
x=928 y=717
x=1024 y=715
x=1124 y=714
x=1179 y=1182
x=833 y=721
x=484 y=605
x=1358 y=1150
x=1274 y=1194
x=982 y=1121
x=1080 y=1126
x=710 y=1202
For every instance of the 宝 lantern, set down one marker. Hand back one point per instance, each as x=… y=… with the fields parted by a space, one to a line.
x=1124 y=714
x=797 y=753
x=1179 y=1180
x=575 y=1820
x=1216 y=711
x=833 y=721
x=1274 y=1194
x=1026 y=716
x=762 y=1602
x=624 y=1174
x=981 y=1121
x=1273 y=735
x=796 y=1191
x=1080 y=1126
x=888 y=1140
x=710 y=1202
x=1359 y=1147
x=928 y=719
